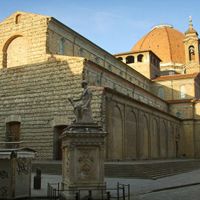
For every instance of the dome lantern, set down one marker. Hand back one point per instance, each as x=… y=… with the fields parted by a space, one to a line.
x=191 y=29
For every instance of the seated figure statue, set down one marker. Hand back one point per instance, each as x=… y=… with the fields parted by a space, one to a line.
x=82 y=106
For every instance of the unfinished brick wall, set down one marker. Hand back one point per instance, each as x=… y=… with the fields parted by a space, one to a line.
x=38 y=93
x=22 y=41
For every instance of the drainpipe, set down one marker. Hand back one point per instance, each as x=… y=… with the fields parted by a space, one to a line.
x=172 y=89
x=194 y=132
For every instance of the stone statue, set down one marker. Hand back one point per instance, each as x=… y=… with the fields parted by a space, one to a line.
x=82 y=106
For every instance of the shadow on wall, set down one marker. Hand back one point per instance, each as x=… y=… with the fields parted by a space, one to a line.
x=38 y=93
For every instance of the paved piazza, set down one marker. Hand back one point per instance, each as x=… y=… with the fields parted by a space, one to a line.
x=185 y=193
x=143 y=188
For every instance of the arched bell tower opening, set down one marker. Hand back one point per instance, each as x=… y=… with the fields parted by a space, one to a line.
x=191 y=43
x=191 y=53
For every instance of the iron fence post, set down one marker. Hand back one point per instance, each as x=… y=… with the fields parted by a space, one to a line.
x=77 y=196
x=123 y=192
x=48 y=189
x=89 y=195
x=108 y=195
x=117 y=190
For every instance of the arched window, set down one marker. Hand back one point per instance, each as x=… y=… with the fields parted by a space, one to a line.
x=140 y=58
x=191 y=53
x=178 y=114
x=18 y=18
x=161 y=92
x=130 y=59
x=81 y=52
x=154 y=61
x=15 y=52
x=62 y=46
x=182 y=92
x=120 y=58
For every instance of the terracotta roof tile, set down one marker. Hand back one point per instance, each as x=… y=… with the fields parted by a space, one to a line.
x=180 y=101
x=166 y=42
x=175 y=76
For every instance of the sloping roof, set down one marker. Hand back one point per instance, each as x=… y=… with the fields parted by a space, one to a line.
x=175 y=76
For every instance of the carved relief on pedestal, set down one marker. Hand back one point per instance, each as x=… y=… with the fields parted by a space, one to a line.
x=87 y=164
x=3 y=191
x=3 y=174
x=23 y=167
x=66 y=162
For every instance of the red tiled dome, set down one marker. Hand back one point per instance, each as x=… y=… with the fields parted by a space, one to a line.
x=166 y=42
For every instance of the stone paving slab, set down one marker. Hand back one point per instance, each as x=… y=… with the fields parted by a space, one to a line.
x=141 y=188
x=150 y=161
x=185 y=193
x=121 y=162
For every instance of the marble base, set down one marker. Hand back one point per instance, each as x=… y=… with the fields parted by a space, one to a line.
x=83 y=158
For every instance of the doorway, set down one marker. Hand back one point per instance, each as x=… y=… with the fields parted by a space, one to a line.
x=57 y=150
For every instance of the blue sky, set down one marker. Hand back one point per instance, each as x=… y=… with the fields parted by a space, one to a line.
x=114 y=25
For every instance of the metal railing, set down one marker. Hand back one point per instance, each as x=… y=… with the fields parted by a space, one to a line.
x=121 y=192
x=53 y=190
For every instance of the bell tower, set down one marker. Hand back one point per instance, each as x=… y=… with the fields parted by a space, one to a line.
x=191 y=43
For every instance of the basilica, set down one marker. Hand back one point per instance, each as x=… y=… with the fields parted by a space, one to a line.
x=147 y=99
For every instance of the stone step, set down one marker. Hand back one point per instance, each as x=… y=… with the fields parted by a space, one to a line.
x=146 y=170
x=152 y=171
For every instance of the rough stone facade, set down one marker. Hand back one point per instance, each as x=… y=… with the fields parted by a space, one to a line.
x=38 y=94
x=43 y=62
x=22 y=39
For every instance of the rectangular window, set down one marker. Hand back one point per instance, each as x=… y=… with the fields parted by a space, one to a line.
x=12 y=133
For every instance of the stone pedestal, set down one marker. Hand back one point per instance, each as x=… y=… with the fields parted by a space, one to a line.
x=15 y=173
x=83 y=159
